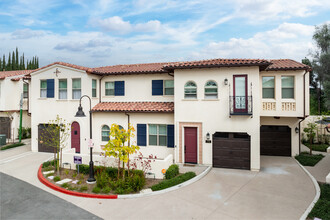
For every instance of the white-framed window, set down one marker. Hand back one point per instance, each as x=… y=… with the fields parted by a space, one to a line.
x=109 y=88
x=211 y=90
x=157 y=135
x=94 y=84
x=169 y=87
x=287 y=87
x=43 y=88
x=190 y=90
x=76 y=88
x=25 y=90
x=268 y=87
x=62 y=89
x=105 y=133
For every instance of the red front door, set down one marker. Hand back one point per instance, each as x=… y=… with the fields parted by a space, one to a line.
x=75 y=136
x=190 y=145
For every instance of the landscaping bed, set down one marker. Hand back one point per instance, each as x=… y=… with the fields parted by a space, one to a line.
x=321 y=209
x=318 y=147
x=5 y=147
x=306 y=159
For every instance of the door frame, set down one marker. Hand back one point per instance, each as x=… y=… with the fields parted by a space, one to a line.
x=79 y=136
x=246 y=92
x=184 y=144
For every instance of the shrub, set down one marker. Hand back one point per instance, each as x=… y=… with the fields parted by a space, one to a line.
x=49 y=174
x=57 y=178
x=308 y=160
x=83 y=188
x=72 y=187
x=96 y=189
x=119 y=190
x=65 y=185
x=106 y=190
x=102 y=179
x=172 y=171
x=48 y=168
x=12 y=146
x=136 y=183
x=74 y=175
x=174 y=181
x=48 y=163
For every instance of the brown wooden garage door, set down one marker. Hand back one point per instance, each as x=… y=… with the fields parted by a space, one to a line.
x=42 y=147
x=275 y=140
x=231 y=150
x=5 y=127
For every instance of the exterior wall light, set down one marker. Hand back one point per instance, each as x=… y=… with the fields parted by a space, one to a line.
x=225 y=81
x=296 y=130
x=208 y=140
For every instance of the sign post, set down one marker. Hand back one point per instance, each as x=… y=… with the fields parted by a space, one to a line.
x=77 y=160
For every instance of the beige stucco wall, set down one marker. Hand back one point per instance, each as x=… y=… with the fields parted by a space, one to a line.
x=214 y=114
x=10 y=94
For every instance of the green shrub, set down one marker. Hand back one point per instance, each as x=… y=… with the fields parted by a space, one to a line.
x=48 y=163
x=72 y=187
x=65 y=185
x=174 y=181
x=136 y=183
x=12 y=146
x=102 y=179
x=172 y=171
x=83 y=188
x=74 y=175
x=119 y=190
x=57 y=178
x=321 y=209
x=306 y=159
x=96 y=189
x=49 y=174
x=318 y=147
x=26 y=132
x=48 y=168
x=106 y=190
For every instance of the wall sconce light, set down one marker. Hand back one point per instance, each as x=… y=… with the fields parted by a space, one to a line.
x=225 y=81
x=208 y=136
x=296 y=130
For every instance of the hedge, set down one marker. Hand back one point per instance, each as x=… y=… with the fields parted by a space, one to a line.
x=172 y=171
x=174 y=181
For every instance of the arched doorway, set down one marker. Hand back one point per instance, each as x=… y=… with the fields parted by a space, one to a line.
x=75 y=136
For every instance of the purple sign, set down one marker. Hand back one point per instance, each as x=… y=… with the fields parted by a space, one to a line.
x=77 y=160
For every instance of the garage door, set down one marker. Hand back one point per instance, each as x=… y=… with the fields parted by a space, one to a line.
x=42 y=145
x=231 y=150
x=5 y=126
x=275 y=140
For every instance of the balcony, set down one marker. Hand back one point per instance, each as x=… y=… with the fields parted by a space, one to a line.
x=240 y=105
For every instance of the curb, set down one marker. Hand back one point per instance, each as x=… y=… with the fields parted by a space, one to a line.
x=96 y=196
x=317 y=189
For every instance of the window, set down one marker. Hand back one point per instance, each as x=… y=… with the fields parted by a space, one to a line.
x=94 y=88
x=211 y=90
x=105 y=133
x=190 y=90
x=109 y=88
x=25 y=90
x=287 y=87
x=268 y=87
x=62 y=89
x=158 y=135
x=43 y=88
x=76 y=88
x=169 y=87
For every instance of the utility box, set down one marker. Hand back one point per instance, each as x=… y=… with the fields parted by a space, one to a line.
x=2 y=139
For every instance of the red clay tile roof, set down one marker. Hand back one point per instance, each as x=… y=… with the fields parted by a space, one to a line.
x=63 y=64
x=4 y=74
x=217 y=63
x=287 y=64
x=129 y=69
x=134 y=107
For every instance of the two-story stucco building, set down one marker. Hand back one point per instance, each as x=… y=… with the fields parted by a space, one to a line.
x=220 y=112
x=13 y=86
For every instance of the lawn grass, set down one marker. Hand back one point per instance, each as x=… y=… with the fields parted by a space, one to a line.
x=322 y=207
x=12 y=146
x=318 y=147
x=306 y=159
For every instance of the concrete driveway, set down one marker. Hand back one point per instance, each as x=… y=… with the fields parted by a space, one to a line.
x=281 y=190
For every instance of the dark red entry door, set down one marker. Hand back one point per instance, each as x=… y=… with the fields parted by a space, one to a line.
x=75 y=136
x=190 y=145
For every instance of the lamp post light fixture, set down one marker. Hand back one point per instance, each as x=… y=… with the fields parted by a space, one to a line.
x=80 y=113
x=225 y=81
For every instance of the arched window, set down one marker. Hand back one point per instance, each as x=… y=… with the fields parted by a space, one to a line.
x=105 y=133
x=211 y=90
x=190 y=90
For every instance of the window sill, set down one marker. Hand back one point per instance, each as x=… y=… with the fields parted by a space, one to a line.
x=189 y=99
x=288 y=100
x=269 y=100
x=211 y=99
x=42 y=98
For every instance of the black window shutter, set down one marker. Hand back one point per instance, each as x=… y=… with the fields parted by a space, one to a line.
x=141 y=134
x=157 y=87
x=50 y=88
x=119 y=88
x=170 y=135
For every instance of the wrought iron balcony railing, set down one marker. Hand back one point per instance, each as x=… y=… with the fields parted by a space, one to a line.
x=240 y=105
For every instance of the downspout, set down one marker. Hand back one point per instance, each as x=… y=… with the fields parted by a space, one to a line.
x=304 y=116
x=28 y=99
x=100 y=100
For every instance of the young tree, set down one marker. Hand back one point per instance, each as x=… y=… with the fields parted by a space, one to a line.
x=55 y=135
x=119 y=145
x=310 y=132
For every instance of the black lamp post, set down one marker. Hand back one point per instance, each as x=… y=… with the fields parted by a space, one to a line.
x=80 y=113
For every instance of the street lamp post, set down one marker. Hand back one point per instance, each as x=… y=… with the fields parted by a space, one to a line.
x=80 y=113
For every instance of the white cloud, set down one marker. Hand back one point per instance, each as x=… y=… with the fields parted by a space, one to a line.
x=27 y=33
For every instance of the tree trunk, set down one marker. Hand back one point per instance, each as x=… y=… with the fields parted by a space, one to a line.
x=118 y=168
x=310 y=146
x=319 y=101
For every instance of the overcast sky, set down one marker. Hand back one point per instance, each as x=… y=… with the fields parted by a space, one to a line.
x=108 y=32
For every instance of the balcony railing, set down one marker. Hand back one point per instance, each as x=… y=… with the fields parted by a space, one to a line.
x=240 y=105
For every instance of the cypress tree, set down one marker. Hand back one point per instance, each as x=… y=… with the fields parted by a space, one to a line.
x=37 y=62
x=0 y=64
x=13 y=62
x=17 y=61
x=4 y=63
x=9 y=63
x=23 y=66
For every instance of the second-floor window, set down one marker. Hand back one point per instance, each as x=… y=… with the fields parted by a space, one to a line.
x=268 y=87
x=116 y=88
x=287 y=87
x=157 y=135
x=169 y=87
x=62 y=89
x=93 y=88
x=190 y=90
x=43 y=88
x=76 y=88
x=211 y=90
x=109 y=88
x=25 y=90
